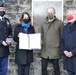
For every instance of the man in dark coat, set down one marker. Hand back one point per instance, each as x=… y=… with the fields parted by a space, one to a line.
x=5 y=32
x=68 y=43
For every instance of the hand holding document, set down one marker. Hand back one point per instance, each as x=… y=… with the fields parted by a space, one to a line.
x=8 y=41
x=29 y=41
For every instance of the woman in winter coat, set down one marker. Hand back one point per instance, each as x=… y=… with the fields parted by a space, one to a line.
x=23 y=57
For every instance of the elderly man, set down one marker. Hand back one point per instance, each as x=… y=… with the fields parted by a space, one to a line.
x=51 y=33
x=68 y=43
x=5 y=32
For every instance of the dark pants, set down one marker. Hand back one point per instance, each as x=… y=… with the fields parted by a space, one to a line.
x=3 y=65
x=70 y=73
x=55 y=65
x=23 y=69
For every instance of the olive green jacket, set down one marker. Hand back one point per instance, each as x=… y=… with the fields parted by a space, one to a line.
x=51 y=34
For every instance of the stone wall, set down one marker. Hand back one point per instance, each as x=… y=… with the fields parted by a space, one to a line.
x=14 y=11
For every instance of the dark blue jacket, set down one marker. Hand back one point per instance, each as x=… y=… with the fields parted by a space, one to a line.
x=5 y=31
x=68 y=42
x=22 y=56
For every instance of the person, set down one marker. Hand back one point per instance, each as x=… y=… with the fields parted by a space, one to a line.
x=50 y=34
x=23 y=57
x=5 y=32
x=68 y=43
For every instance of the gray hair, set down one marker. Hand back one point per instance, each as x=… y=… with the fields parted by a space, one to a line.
x=71 y=9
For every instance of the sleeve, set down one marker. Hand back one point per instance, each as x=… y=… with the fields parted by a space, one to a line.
x=16 y=38
x=74 y=52
x=33 y=30
x=9 y=28
x=61 y=28
x=62 y=42
x=42 y=35
x=1 y=42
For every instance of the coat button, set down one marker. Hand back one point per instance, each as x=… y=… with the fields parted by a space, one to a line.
x=69 y=34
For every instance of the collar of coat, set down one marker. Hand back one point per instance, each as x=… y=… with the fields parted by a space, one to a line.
x=71 y=26
x=55 y=18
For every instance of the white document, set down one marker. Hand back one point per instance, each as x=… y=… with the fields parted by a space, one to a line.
x=35 y=41
x=23 y=41
x=29 y=41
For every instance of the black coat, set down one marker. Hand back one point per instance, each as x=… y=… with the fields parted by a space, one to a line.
x=22 y=56
x=68 y=42
x=5 y=31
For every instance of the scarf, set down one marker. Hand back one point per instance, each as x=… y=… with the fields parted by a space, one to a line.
x=26 y=26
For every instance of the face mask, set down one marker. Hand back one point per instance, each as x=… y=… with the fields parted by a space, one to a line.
x=70 y=18
x=50 y=16
x=25 y=20
x=2 y=13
